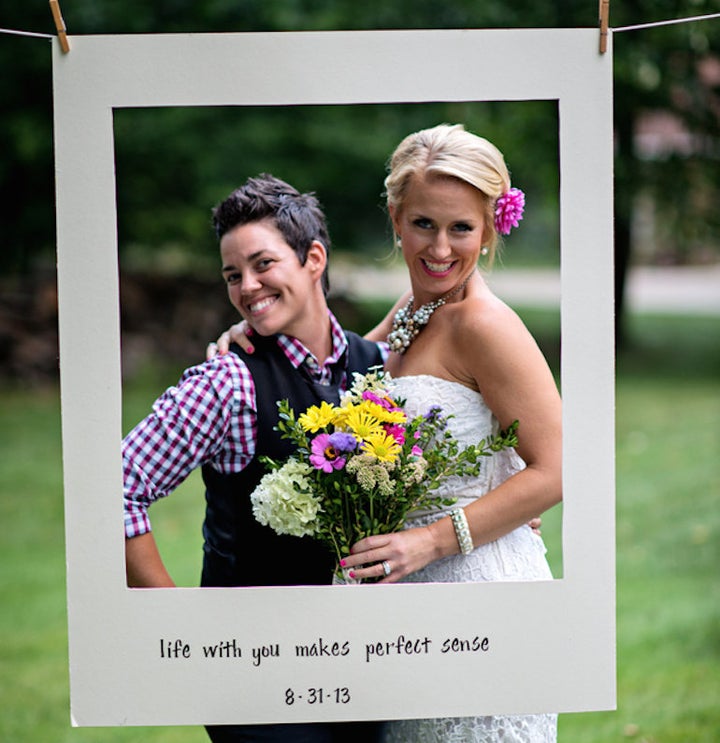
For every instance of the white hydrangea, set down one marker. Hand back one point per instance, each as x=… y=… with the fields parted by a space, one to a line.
x=284 y=501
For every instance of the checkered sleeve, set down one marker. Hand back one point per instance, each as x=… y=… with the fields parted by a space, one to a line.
x=209 y=417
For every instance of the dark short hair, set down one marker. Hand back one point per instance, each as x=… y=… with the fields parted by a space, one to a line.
x=299 y=217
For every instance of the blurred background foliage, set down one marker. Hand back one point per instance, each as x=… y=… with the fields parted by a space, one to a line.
x=174 y=164
x=337 y=151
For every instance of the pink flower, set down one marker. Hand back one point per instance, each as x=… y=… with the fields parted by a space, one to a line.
x=383 y=402
x=416 y=451
x=397 y=432
x=324 y=455
x=509 y=210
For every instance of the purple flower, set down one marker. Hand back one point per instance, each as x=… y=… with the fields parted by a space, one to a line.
x=324 y=455
x=509 y=210
x=343 y=441
x=327 y=450
x=433 y=414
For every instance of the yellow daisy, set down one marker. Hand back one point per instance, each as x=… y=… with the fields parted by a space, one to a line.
x=317 y=417
x=382 y=446
x=360 y=422
x=383 y=414
x=341 y=413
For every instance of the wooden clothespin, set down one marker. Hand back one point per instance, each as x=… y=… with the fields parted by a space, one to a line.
x=60 y=26
x=604 y=20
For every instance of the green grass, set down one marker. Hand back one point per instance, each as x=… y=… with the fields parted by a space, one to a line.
x=668 y=593
x=668 y=550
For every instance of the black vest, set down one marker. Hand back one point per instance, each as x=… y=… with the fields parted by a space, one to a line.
x=239 y=551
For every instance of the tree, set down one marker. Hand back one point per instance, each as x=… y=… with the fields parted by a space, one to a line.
x=658 y=70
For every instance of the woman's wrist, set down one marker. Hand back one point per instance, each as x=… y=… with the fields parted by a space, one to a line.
x=443 y=538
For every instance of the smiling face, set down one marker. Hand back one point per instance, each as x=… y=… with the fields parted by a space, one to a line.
x=268 y=285
x=441 y=225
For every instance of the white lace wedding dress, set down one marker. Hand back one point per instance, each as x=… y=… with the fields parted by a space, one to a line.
x=519 y=555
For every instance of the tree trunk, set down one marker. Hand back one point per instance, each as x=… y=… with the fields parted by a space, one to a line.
x=625 y=176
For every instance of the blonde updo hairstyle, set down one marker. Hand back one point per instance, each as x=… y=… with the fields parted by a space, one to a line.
x=453 y=152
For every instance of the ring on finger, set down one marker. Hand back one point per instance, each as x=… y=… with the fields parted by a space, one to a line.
x=386 y=568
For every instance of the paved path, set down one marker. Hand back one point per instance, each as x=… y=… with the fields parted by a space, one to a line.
x=684 y=289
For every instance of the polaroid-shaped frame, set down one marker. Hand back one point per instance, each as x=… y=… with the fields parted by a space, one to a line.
x=194 y=656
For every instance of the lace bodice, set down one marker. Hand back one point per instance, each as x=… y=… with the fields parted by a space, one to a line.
x=471 y=421
x=472 y=417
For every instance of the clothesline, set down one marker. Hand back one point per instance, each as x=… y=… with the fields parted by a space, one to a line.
x=26 y=33
x=619 y=29
x=666 y=23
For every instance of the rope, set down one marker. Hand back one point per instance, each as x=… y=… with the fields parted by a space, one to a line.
x=666 y=23
x=619 y=29
x=25 y=33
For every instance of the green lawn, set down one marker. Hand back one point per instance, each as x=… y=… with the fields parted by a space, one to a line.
x=668 y=551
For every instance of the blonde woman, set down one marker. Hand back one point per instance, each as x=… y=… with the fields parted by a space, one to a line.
x=453 y=343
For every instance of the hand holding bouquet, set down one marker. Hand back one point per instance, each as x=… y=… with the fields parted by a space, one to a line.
x=361 y=466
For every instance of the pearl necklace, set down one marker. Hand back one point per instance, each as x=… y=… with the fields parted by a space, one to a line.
x=408 y=324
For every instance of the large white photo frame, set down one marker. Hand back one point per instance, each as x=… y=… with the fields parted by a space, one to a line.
x=138 y=657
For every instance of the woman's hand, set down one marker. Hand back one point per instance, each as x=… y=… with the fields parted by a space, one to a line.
x=239 y=333
x=403 y=552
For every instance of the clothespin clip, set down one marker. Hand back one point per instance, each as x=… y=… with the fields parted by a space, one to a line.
x=604 y=20
x=60 y=26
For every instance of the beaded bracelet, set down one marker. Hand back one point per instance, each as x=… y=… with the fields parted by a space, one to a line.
x=462 y=530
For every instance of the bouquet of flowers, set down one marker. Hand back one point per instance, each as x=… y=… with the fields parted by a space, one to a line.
x=361 y=466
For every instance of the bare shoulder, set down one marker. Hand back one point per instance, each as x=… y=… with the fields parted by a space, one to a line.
x=483 y=322
x=491 y=350
x=494 y=352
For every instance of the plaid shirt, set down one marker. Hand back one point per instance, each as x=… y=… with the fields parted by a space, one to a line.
x=208 y=418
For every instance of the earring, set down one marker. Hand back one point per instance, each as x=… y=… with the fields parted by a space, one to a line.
x=484 y=251
x=398 y=241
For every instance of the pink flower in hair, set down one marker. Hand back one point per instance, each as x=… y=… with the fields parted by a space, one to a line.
x=509 y=210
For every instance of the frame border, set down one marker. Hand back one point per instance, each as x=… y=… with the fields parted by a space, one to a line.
x=563 y=628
